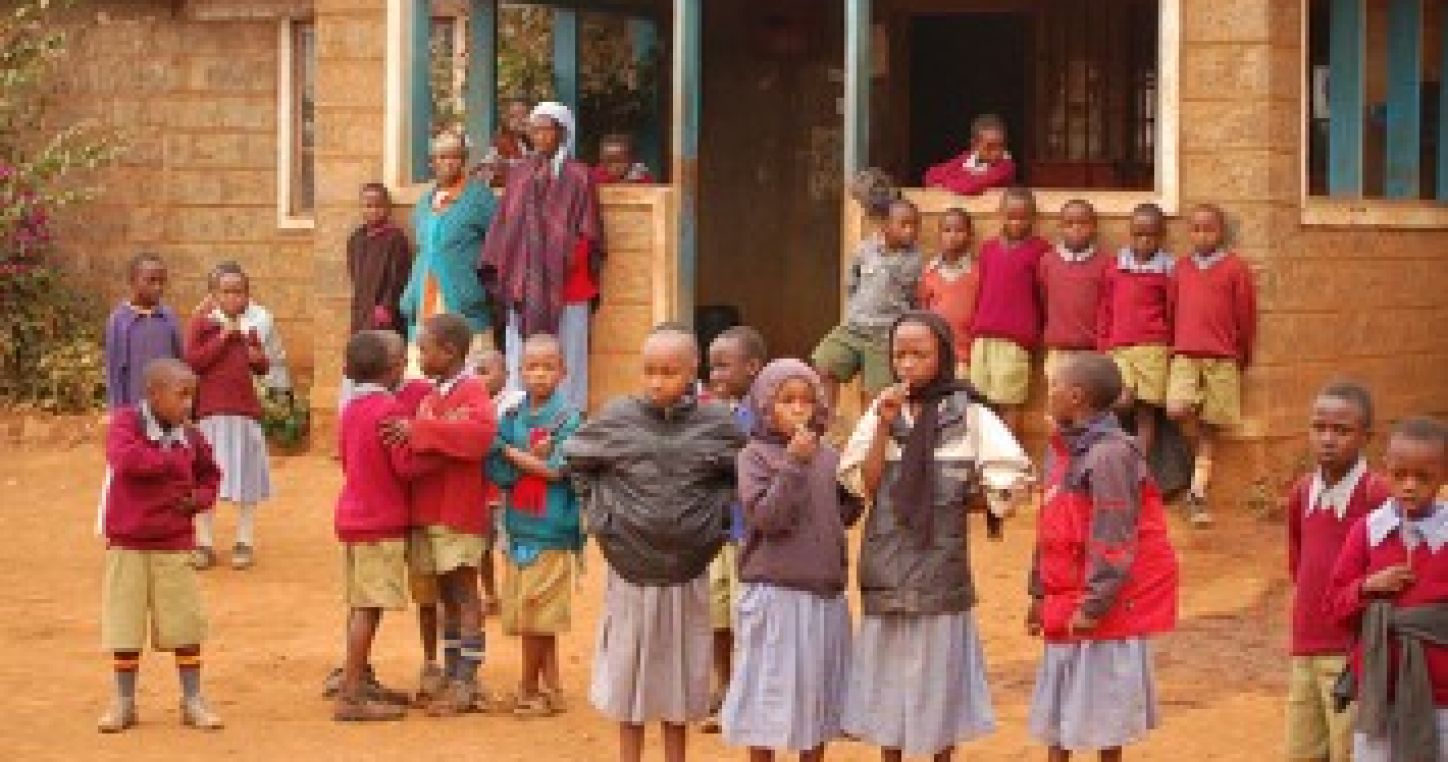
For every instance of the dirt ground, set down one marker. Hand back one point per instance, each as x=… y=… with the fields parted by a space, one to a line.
x=276 y=631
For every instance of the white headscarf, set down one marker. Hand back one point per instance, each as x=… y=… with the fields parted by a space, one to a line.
x=562 y=117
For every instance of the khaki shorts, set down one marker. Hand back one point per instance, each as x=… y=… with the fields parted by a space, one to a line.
x=1055 y=358
x=1144 y=371
x=374 y=574
x=150 y=590
x=1213 y=386
x=1314 y=730
x=435 y=550
x=844 y=352
x=723 y=587
x=538 y=598
x=1001 y=370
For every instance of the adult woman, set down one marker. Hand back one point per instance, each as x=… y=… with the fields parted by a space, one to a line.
x=545 y=253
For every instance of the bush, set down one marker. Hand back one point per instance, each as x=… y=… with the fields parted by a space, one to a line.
x=50 y=344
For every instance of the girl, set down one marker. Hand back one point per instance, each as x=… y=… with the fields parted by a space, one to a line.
x=226 y=353
x=918 y=456
x=793 y=623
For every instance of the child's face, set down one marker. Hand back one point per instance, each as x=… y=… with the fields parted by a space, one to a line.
x=1417 y=470
x=170 y=399
x=494 y=373
x=1019 y=220
x=1078 y=227
x=616 y=159
x=436 y=359
x=396 y=361
x=793 y=406
x=1064 y=399
x=902 y=227
x=915 y=355
x=1145 y=236
x=989 y=145
x=1207 y=231
x=542 y=370
x=232 y=294
x=1337 y=432
x=669 y=369
x=955 y=235
x=148 y=284
x=375 y=207
x=731 y=372
x=516 y=119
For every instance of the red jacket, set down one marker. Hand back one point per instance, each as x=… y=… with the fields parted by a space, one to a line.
x=223 y=369
x=148 y=481
x=1071 y=295
x=459 y=426
x=373 y=504
x=1089 y=484
x=1216 y=309
x=1136 y=308
x=953 y=176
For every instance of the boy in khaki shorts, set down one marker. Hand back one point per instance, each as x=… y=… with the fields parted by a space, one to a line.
x=541 y=522
x=1216 y=324
x=162 y=474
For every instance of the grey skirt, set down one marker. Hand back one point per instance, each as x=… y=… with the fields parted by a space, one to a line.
x=1094 y=694
x=917 y=683
x=654 y=652
x=791 y=668
x=240 y=450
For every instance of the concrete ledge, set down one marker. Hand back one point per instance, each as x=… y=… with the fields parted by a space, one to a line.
x=1380 y=213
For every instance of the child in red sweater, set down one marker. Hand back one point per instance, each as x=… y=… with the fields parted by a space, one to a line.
x=985 y=165
x=1390 y=586
x=950 y=282
x=1322 y=507
x=1216 y=322
x=450 y=522
x=162 y=474
x=616 y=162
x=1071 y=284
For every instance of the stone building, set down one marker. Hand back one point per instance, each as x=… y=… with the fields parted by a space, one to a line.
x=1317 y=124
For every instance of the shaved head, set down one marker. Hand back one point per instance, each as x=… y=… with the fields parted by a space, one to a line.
x=1096 y=375
x=167 y=372
x=672 y=340
x=543 y=342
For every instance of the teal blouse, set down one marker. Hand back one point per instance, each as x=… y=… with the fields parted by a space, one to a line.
x=558 y=528
x=448 y=246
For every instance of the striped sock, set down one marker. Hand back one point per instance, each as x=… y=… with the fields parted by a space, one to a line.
x=188 y=667
x=471 y=657
x=126 y=664
x=451 y=649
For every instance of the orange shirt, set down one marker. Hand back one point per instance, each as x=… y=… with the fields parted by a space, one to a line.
x=950 y=292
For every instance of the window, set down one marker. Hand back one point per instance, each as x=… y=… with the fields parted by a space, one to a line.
x=297 y=124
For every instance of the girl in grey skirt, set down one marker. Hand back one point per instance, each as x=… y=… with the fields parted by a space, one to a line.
x=920 y=455
x=792 y=628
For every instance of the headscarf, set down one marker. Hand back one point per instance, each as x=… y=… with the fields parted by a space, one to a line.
x=563 y=117
x=913 y=493
x=760 y=399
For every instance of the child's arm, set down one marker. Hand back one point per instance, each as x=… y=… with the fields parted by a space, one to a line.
x=466 y=435
x=399 y=266
x=1346 y=597
x=1115 y=475
x=862 y=464
x=111 y=354
x=1004 y=465
x=549 y=467
x=205 y=343
x=1246 y=309
x=1294 y=530
x=205 y=472
x=498 y=468
x=130 y=453
x=771 y=492
x=256 y=356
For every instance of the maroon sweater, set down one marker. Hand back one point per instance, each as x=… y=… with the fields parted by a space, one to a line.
x=149 y=479
x=373 y=504
x=1009 y=306
x=1216 y=309
x=1072 y=295
x=223 y=369
x=1136 y=308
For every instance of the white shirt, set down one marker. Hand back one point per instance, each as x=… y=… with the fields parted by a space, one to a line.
x=1335 y=498
x=259 y=318
x=1432 y=529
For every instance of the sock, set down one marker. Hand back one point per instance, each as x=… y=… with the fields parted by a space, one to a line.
x=188 y=667
x=246 y=524
x=451 y=652
x=127 y=666
x=1201 y=475
x=202 y=522
x=471 y=656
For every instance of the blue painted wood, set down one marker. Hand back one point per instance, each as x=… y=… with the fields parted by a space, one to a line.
x=1405 y=110
x=857 y=85
x=1443 y=104
x=481 y=95
x=420 y=87
x=688 y=59
x=565 y=57
x=1345 y=99
x=644 y=37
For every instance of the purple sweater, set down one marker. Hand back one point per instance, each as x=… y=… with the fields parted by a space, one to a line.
x=1009 y=306
x=133 y=339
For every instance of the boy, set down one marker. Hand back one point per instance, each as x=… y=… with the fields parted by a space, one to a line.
x=1104 y=575
x=1007 y=322
x=735 y=358
x=450 y=523
x=162 y=475
x=1321 y=508
x=379 y=259
x=879 y=287
x=1136 y=319
x=1216 y=323
x=985 y=165
x=140 y=329
x=616 y=162
x=950 y=283
x=1390 y=586
x=492 y=368
x=1071 y=278
x=541 y=516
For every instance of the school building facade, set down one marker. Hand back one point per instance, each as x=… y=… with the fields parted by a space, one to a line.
x=1317 y=124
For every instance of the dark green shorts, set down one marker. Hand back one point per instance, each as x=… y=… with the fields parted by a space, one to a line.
x=845 y=352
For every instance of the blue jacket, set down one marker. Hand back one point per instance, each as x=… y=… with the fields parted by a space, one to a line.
x=448 y=244
x=558 y=528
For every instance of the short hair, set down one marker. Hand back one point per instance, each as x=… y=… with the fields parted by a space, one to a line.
x=677 y=330
x=1081 y=203
x=1148 y=209
x=165 y=370
x=1097 y=375
x=490 y=356
x=620 y=139
x=1215 y=211
x=452 y=331
x=1422 y=428
x=902 y=203
x=957 y=211
x=1353 y=393
x=516 y=100
x=1018 y=193
x=377 y=187
x=142 y=258
x=875 y=191
x=548 y=339
x=749 y=338
x=366 y=356
x=987 y=122
x=448 y=141
x=227 y=267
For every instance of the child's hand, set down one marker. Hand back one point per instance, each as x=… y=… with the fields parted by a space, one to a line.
x=803 y=445
x=542 y=448
x=395 y=431
x=1080 y=622
x=890 y=402
x=1389 y=580
x=206 y=306
x=1033 y=618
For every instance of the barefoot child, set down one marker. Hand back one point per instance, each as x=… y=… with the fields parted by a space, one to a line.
x=1071 y=278
x=140 y=329
x=541 y=517
x=162 y=475
x=794 y=622
x=950 y=283
x=917 y=676
x=1390 y=585
x=656 y=476
x=1104 y=574
x=985 y=165
x=1136 y=320
x=379 y=259
x=450 y=520
x=1322 y=507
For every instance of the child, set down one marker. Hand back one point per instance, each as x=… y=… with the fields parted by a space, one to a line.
x=225 y=354
x=1216 y=322
x=880 y=287
x=379 y=260
x=794 y=621
x=655 y=474
x=450 y=520
x=1104 y=574
x=1071 y=278
x=950 y=283
x=162 y=475
x=987 y=164
x=1136 y=319
x=616 y=162
x=541 y=515
x=918 y=682
x=1390 y=585
x=735 y=357
x=1007 y=322
x=140 y=329
x=492 y=368
x=1321 y=508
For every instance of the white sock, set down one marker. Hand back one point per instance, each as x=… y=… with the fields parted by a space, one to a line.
x=245 y=524
x=202 y=522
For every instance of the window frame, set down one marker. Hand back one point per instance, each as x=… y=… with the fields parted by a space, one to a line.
x=288 y=128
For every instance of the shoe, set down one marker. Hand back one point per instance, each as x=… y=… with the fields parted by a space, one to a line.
x=1197 y=513
x=555 y=700
x=365 y=709
x=459 y=697
x=242 y=557
x=430 y=684
x=121 y=715
x=536 y=705
x=711 y=723
x=196 y=714
x=203 y=558
x=332 y=685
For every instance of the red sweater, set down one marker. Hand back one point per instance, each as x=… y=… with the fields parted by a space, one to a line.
x=373 y=504
x=148 y=481
x=1313 y=543
x=1072 y=295
x=1358 y=560
x=1216 y=309
x=953 y=300
x=458 y=426
x=953 y=176
x=223 y=370
x=1136 y=308
x=1009 y=306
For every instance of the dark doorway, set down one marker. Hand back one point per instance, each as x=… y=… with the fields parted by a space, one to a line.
x=963 y=65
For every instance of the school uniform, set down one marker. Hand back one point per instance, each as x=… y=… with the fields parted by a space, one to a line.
x=379 y=261
x=1007 y=322
x=450 y=523
x=967 y=175
x=227 y=407
x=134 y=337
x=880 y=286
x=950 y=290
x=1216 y=326
x=1136 y=322
x=1071 y=288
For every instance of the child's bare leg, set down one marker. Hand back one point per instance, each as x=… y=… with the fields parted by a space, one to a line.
x=551 y=682
x=1057 y=754
x=489 y=582
x=427 y=631
x=361 y=629
x=763 y=755
x=1111 y=755
x=1146 y=426
x=675 y=742
x=817 y=754
x=944 y=755
x=630 y=742
x=723 y=658
x=533 y=660
x=891 y=755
